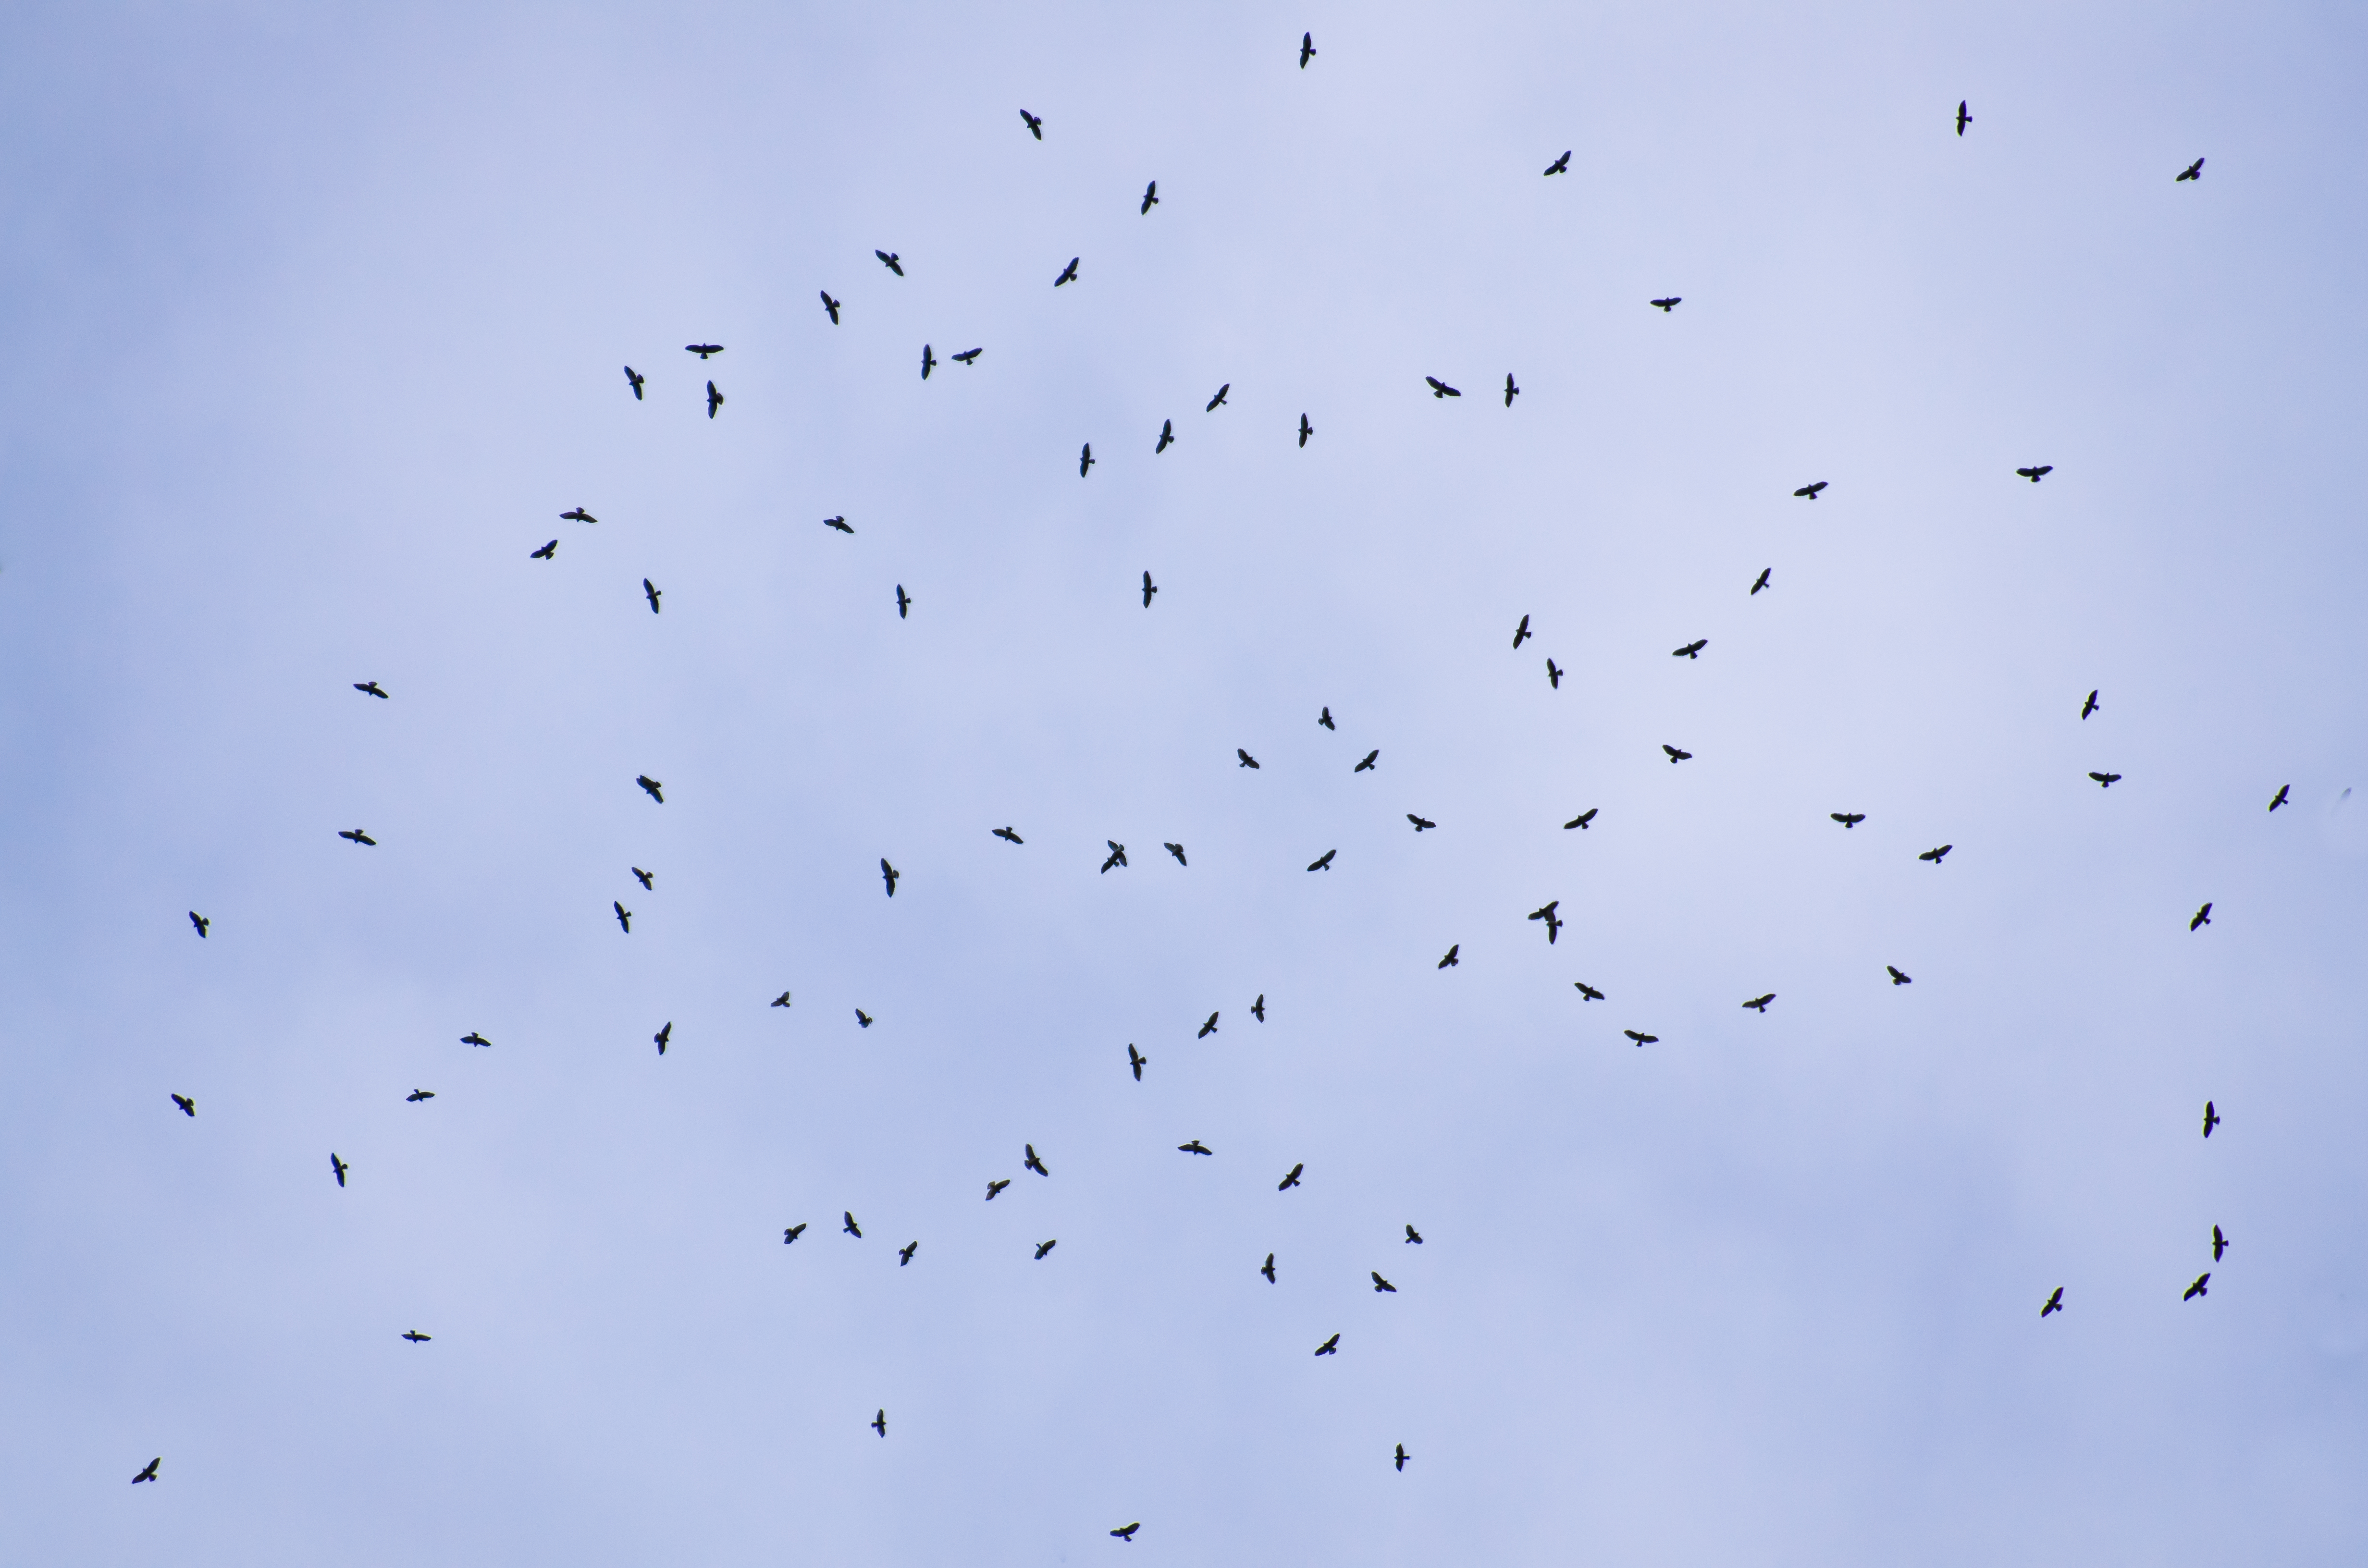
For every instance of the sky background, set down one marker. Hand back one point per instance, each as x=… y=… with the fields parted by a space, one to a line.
x=313 y=319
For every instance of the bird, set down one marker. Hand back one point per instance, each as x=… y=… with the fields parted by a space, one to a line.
x=663 y=1036
x=1691 y=650
x=967 y=356
x=2203 y=917
x=1553 y=675
x=357 y=835
x=1323 y=862
x=1847 y=819
x=577 y=514
x=474 y=1038
x=2106 y=780
x=1194 y=1147
x=1512 y=389
x=1897 y=978
x=1676 y=756
x=1177 y=851
x=2211 y=1117
x=1208 y=1029
x=1031 y=1161
x=904 y=1253
x=2054 y=1301
x=1414 y=1237
x=1137 y=1060
x=1127 y=1533
x=1167 y=437
x=2089 y=706
x=339 y=1167
x=1642 y=1040
x=1402 y=1455
x=1451 y=960
x=1150 y=196
x=1043 y=1247
x=714 y=400
x=1366 y=765
x=1666 y=305
x=1306 y=49
x=783 y=1000
x=2201 y=1288
x=1292 y=1178
x=1587 y=993
x=2036 y=473
x=892 y=261
x=1035 y=124
x=1085 y=458
x=1006 y=833
x=634 y=379
x=655 y=789
x=1759 y=1003
x=1439 y=389
x=848 y=1225
x=830 y=306
x=148 y=1472
x=1258 y=1008
x=997 y=1186
x=187 y=1106
x=1149 y=588
x=417 y=1337
x=1810 y=491
x=651 y=594
x=1937 y=854
x=1522 y=633
x=1305 y=431
x=1325 y=719
x=1582 y=819
x=862 y=1018
x=702 y=350
x=1553 y=922
x=2192 y=171
x=1560 y=165
x=1965 y=120
x=793 y=1232
x=2280 y=798
x=903 y=601
x=1218 y=402
x=548 y=552
x=839 y=523
x=1330 y=1347
x=1381 y=1286
x=1420 y=822
x=1267 y=1268
x=1117 y=856
x=1068 y=273
x=1246 y=760
x=888 y=874
x=624 y=917
x=1762 y=581
x=928 y=361
x=370 y=687
x=2219 y=1244
x=879 y=1423
x=644 y=878
x=200 y=922
x=417 y=1095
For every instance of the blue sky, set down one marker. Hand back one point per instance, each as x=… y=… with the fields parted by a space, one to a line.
x=316 y=322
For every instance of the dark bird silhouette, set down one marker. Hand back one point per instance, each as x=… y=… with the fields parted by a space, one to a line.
x=1031 y=1161
x=1560 y=165
x=1208 y=1029
x=1964 y=120
x=1292 y=1179
x=1246 y=760
x=928 y=361
x=1330 y=1347
x=848 y=1225
x=1005 y=833
x=903 y=601
x=148 y=1472
x=624 y=917
x=338 y=1168
x=1667 y=304
x=839 y=523
x=1759 y=1003
x=2202 y=1287
x=1414 y=1237
x=1218 y=402
x=651 y=594
x=2202 y=917
x=702 y=350
x=783 y=1000
x=370 y=687
x=1762 y=581
x=1553 y=922
x=1043 y=1247
x=1305 y=431
x=1167 y=437
x=655 y=791
x=199 y=922
x=1587 y=993
x=577 y=514
x=892 y=261
x=1137 y=1060
x=474 y=1039
x=417 y=1095
x=1897 y=978
x=2088 y=707
x=1402 y=1455
x=904 y=1253
x=1451 y=960
x=548 y=552
x=1307 y=53
x=1068 y=273
x=1937 y=856
x=1522 y=633
x=634 y=379
x=1127 y=1534
x=1178 y=850
x=2280 y=798
x=1582 y=819
x=2106 y=780
x=1642 y=1040
x=1382 y=1285
x=1117 y=856
x=1439 y=389
x=1420 y=823
x=1676 y=756
x=1370 y=758
x=968 y=356
x=1811 y=490
x=879 y=1423
x=663 y=1036
x=1847 y=819
x=1512 y=389
x=1267 y=1268
x=2211 y=1117
x=830 y=306
x=1691 y=650
x=2056 y=1297
x=1085 y=458
x=2219 y=1244
x=357 y=835
x=1258 y=1008
x=862 y=1018
x=1325 y=719
x=793 y=1232
x=418 y=1338
x=888 y=874
x=644 y=878
x=1553 y=674
x=1035 y=124
x=1194 y=1147
x=1149 y=588
x=2192 y=171
x=2037 y=473
x=1323 y=862
x=997 y=1186
x=1150 y=196
x=714 y=400
x=188 y=1106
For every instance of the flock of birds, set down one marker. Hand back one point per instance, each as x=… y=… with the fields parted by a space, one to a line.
x=1136 y=1062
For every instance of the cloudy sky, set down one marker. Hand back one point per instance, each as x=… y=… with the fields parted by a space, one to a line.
x=315 y=319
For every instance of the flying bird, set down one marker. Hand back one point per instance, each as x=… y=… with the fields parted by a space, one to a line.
x=714 y=400
x=2106 y=780
x=1553 y=675
x=1666 y=305
x=2280 y=798
x=1691 y=650
x=847 y=1224
x=1511 y=390
x=651 y=594
x=1587 y=993
x=1194 y=1147
x=1325 y=719
x=1150 y=196
x=1218 y=402
x=148 y=1472
x=1762 y=581
x=200 y=922
x=1964 y=120
x=1402 y=1455
x=1149 y=588
x=1897 y=978
x=339 y=1167
x=1006 y=833
x=1085 y=458
x=1246 y=760
x=417 y=1095
x=357 y=835
x=2055 y=1299
x=2192 y=171
x=2203 y=917
x=1676 y=756
x=1759 y=1003
x=1127 y=1534
x=2090 y=706
x=1258 y=1008
x=1323 y=862
x=1035 y=124
x=888 y=874
x=1031 y=1161
x=904 y=1253
x=1582 y=819
x=663 y=1036
x=968 y=356
x=624 y=917
x=892 y=261
x=1847 y=819
x=1810 y=491
x=1937 y=856
x=657 y=791
x=2212 y=1118
x=634 y=379
x=644 y=878
x=2037 y=473
x=831 y=306
x=903 y=601
x=1043 y=1247
x=474 y=1038
x=577 y=514
x=1522 y=633
x=1178 y=850
x=1560 y=165
x=1307 y=53
x=417 y=1337
x=1553 y=922
x=783 y=1000
x=370 y=687
x=879 y=1423
x=548 y=552
x=1267 y=1268
x=188 y=1106
x=1451 y=960
x=1305 y=431
x=1382 y=1285
x=1292 y=1179
x=1068 y=273
x=862 y=1018
x=702 y=350
x=1137 y=1060
x=1414 y=1237
x=793 y=1232
x=1330 y=1347
x=1642 y=1040
x=1439 y=389
x=1117 y=854
x=1208 y=1029
x=1167 y=437
x=2219 y=1244
x=1420 y=822
x=1370 y=758
x=2201 y=1288
x=997 y=1186
x=928 y=361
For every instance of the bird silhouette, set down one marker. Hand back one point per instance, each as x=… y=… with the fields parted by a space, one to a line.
x=418 y=1338
x=1031 y=1161
x=1897 y=978
x=2106 y=780
x=2202 y=1287
x=147 y=1472
x=2280 y=798
x=888 y=874
x=892 y=261
x=1150 y=196
x=1560 y=165
x=1177 y=851
x=1068 y=273
x=1325 y=719
x=1964 y=120
x=1043 y=1247
x=862 y=1018
x=1642 y=1040
x=793 y=1232
x=1676 y=756
x=702 y=350
x=1936 y=855
x=1420 y=823
x=714 y=400
x=634 y=379
x=1167 y=437
x=997 y=1186
x=338 y=1168
x=848 y=1225
x=783 y=1000
x=2089 y=706
x=1267 y=1268
x=577 y=514
x=1810 y=491
x=1137 y=1060
x=1553 y=922
x=839 y=523
x=1219 y=400
x=644 y=878
x=1035 y=124
x=356 y=836
x=879 y=1423
x=1208 y=1029
x=1307 y=49
x=1553 y=674
x=1759 y=1003
x=968 y=357
x=1246 y=760
x=1323 y=862
x=1582 y=819
x=2219 y=1244
x=904 y=1253
x=1117 y=856
x=1194 y=1147
x=1330 y=1347
x=1258 y=1008
x=830 y=306
x=548 y=552
x=474 y=1038
x=1512 y=391
x=1403 y=1456
x=663 y=1036
x=1762 y=581
x=1006 y=833
x=2202 y=917
x=2192 y=171
x=370 y=688
x=199 y=923
x=2211 y=1117
x=928 y=361
x=1305 y=431
x=624 y=917
x=1085 y=458
x=1666 y=305
x=1371 y=757
x=1847 y=819
x=1149 y=588
x=651 y=594
x=655 y=791
x=1587 y=993
x=1451 y=960
x=1413 y=1237
x=1381 y=1286
x=2037 y=473
x=1522 y=633
x=903 y=601
x=417 y=1095
x=2054 y=1301
x=1127 y=1533
x=1292 y=1178
x=1439 y=389
x=1691 y=650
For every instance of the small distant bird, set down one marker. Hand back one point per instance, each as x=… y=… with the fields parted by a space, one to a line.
x=635 y=379
x=2203 y=917
x=1307 y=49
x=1451 y=960
x=714 y=400
x=968 y=356
x=651 y=594
x=1006 y=833
x=831 y=306
x=1402 y=1455
x=2280 y=798
x=997 y=1186
x=1691 y=650
x=1513 y=391
x=1267 y=1268
x=339 y=1167
x=644 y=878
x=187 y=1106
x=879 y=1423
x=548 y=552
x=1117 y=856
x=1553 y=922
x=1178 y=850
x=1218 y=402
x=657 y=791
x=1127 y=1534
x=577 y=514
x=1043 y=1247
x=2192 y=171
x=370 y=687
x=1847 y=819
x=200 y=922
x=2037 y=473
x=663 y=1036
x=1330 y=1347
x=904 y=1253
x=1246 y=760
x=1258 y=1008
x=474 y=1038
x=1150 y=196
x=892 y=261
x=1964 y=120
x=2088 y=707
x=2202 y=1286
x=1937 y=856
x=1560 y=165
x=1305 y=431
x=1194 y=1147
x=1369 y=757
x=1582 y=819
x=2212 y=1118
x=417 y=1095
x=1031 y=1161
x=1325 y=719
x=624 y=917
x=783 y=1000
x=928 y=361
x=356 y=836
x=2106 y=780
x=1587 y=993
x=1382 y=1285
x=2054 y=1301
x=1759 y=1003
x=2219 y=1244
x=1897 y=978
x=1642 y=1040
x=1522 y=633
x=862 y=1018
x=1149 y=588
x=793 y=1232
x=888 y=874
x=1414 y=1237
x=1208 y=1029
x=1420 y=822
x=418 y=1338
x=1553 y=674
x=1811 y=490
x=1323 y=862
x=1068 y=273
x=1167 y=437
x=1439 y=389
x=702 y=350
x=1137 y=1060
x=1762 y=581
x=903 y=601
x=847 y=1224
x=1676 y=756
x=1035 y=124
x=1085 y=458
x=148 y=1472
x=1292 y=1179
x=1666 y=305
